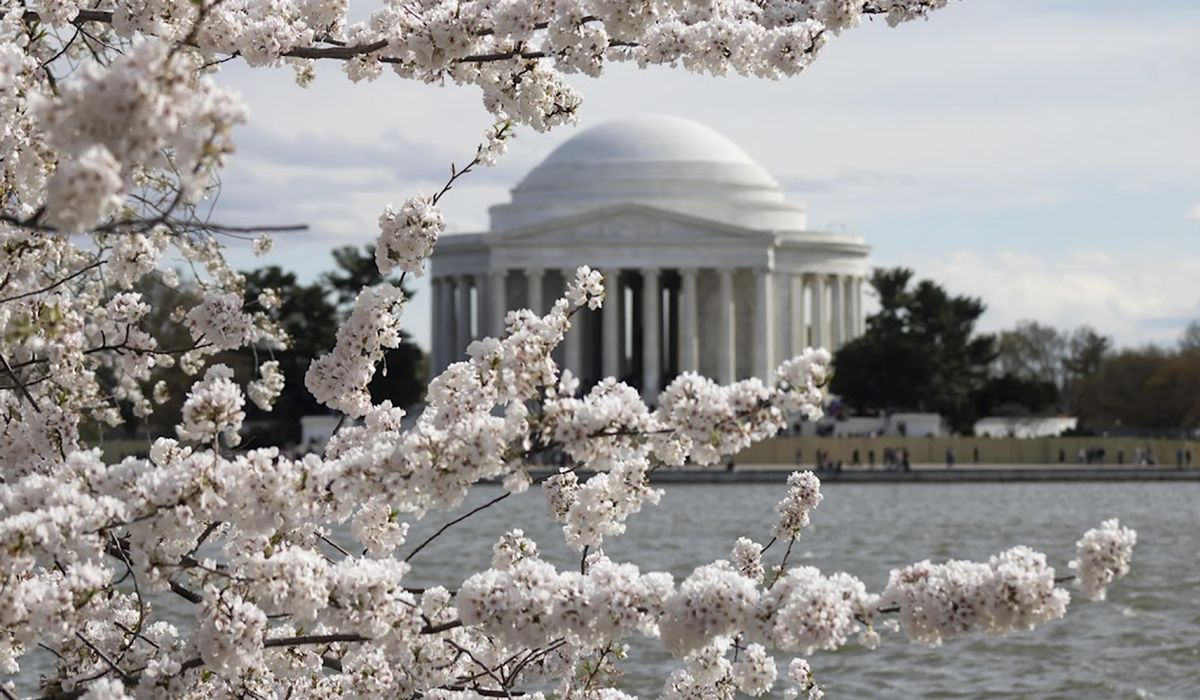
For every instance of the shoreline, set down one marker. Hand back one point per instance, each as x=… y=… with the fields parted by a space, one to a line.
x=920 y=474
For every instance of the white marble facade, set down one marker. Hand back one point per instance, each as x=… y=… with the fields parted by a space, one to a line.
x=708 y=266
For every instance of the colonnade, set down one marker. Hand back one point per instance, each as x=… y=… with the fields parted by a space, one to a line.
x=652 y=326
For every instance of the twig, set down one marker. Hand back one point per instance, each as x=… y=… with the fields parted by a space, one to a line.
x=20 y=385
x=59 y=283
x=138 y=635
x=102 y=655
x=486 y=669
x=137 y=592
x=335 y=545
x=512 y=676
x=456 y=521
x=783 y=563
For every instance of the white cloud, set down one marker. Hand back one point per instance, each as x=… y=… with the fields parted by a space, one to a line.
x=1194 y=214
x=1133 y=296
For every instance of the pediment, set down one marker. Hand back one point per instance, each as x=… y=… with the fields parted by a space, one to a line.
x=630 y=225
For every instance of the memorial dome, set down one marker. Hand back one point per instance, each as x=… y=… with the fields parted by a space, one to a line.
x=660 y=161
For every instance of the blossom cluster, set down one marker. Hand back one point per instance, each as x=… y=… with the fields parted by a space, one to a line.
x=339 y=379
x=407 y=236
x=269 y=385
x=213 y=407
x=801 y=676
x=109 y=122
x=530 y=603
x=801 y=612
x=1103 y=556
x=1014 y=590
x=804 y=494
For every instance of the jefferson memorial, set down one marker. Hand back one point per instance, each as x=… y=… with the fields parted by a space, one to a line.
x=707 y=266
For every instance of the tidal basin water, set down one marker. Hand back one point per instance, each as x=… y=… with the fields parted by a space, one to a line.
x=1143 y=642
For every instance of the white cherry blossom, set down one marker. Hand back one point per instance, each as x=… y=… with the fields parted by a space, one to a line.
x=115 y=130
x=1103 y=555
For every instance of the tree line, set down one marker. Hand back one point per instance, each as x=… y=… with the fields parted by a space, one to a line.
x=922 y=352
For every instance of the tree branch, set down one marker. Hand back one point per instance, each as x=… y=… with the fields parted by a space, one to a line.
x=62 y=281
x=20 y=385
x=456 y=521
x=306 y=640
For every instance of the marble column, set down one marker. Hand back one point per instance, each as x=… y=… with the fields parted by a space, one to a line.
x=651 y=330
x=498 y=304
x=689 y=336
x=533 y=281
x=797 y=316
x=764 y=324
x=850 y=302
x=437 y=340
x=837 y=314
x=726 y=339
x=820 y=339
x=611 y=366
x=860 y=319
x=573 y=352
x=462 y=317
x=480 y=318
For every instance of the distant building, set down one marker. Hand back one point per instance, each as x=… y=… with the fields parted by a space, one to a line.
x=891 y=425
x=1024 y=427
x=708 y=266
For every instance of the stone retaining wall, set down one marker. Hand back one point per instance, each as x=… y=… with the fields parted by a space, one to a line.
x=930 y=450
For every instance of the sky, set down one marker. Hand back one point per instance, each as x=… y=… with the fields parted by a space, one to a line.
x=1043 y=155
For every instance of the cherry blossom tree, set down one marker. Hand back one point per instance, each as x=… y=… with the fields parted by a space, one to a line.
x=115 y=127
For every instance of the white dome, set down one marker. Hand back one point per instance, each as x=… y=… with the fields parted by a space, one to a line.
x=661 y=161
x=649 y=139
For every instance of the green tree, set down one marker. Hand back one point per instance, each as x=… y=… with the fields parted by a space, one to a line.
x=311 y=321
x=354 y=269
x=1190 y=338
x=1016 y=396
x=920 y=352
x=1145 y=388
x=1032 y=352
x=1086 y=352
